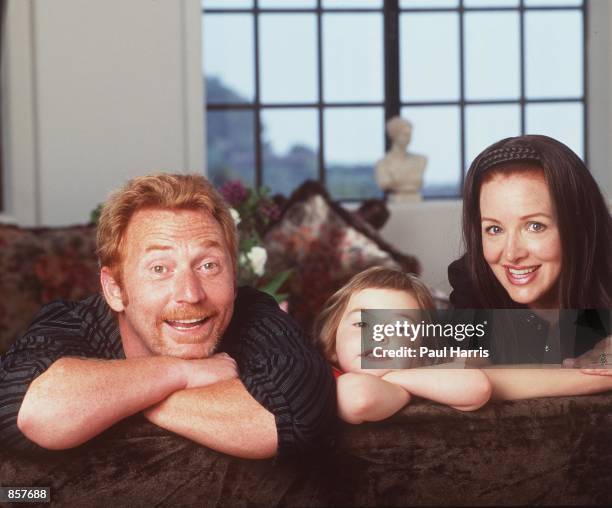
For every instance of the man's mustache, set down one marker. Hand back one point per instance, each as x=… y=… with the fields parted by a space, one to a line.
x=187 y=311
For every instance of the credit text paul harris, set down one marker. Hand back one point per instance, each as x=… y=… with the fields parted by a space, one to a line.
x=425 y=352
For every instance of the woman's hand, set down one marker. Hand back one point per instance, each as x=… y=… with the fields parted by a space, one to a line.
x=596 y=361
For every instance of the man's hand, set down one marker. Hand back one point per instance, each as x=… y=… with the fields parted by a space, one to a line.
x=595 y=361
x=222 y=416
x=76 y=399
x=208 y=371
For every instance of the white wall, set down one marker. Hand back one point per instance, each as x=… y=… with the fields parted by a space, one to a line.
x=97 y=92
x=431 y=231
x=599 y=46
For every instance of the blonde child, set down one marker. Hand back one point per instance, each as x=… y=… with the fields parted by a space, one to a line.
x=375 y=394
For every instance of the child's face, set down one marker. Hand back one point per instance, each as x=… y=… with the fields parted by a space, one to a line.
x=348 y=336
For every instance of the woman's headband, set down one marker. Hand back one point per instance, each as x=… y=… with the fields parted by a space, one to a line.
x=523 y=153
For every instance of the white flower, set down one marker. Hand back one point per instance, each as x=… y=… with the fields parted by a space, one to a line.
x=258 y=257
x=235 y=215
x=242 y=259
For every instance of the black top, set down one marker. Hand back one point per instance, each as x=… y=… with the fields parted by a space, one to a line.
x=277 y=365
x=463 y=295
x=521 y=336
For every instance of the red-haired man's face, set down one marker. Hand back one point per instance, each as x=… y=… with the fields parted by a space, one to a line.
x=177 y=293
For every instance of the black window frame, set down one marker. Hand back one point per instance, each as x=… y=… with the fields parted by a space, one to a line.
x=3 y=8
x=392 y=102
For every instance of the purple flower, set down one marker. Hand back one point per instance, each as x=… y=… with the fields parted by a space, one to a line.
x=269 y=209
x=234 y=192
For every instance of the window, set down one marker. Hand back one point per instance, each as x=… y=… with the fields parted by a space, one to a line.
x=299 y=89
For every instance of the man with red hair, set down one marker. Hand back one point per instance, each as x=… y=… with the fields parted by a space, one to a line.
x=171 y=337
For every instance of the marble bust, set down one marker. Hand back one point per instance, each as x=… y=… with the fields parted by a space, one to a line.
x=400 y=173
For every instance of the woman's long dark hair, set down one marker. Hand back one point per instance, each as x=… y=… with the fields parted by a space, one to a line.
x=585 y=225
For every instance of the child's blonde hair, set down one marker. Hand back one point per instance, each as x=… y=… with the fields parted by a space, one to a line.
x=378 y=277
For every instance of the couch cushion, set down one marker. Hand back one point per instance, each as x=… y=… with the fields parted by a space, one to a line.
x=553 y=451
x=39 y=265
x=325 y=245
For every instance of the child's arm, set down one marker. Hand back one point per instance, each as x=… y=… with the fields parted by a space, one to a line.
x=517 y=383
x=364 y=397
x=463 y=389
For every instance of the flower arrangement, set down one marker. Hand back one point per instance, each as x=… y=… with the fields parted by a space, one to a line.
x=253 y=211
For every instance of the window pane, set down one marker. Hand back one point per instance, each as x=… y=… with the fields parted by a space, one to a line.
x=290 y=146
x=436 y=134
x=287 y=4
x=553 y=3
x=228 y=57
x=352 y=4
x=428 y=4
x=227 y=4
x=487 y=124
x=427 y=38
x=353 y=57
x=287 y=55
x=230 y=151
x=354 y=141
x=560 y=121
x=554 y=43
x=492 y=55
x=490 y=3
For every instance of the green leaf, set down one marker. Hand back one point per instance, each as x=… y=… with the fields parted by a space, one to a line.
x=94 y=216
x=276 y=282
x=279 y=297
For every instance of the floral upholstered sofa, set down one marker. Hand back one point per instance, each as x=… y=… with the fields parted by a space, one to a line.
x=38 y=266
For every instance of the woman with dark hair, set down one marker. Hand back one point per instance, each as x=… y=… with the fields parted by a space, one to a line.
x=538 y=236
x=581 y=218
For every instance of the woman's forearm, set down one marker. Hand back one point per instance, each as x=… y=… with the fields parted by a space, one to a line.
x=522 y=383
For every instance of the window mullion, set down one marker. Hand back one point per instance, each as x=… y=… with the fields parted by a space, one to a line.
x=320 y=110
x=462 y=120
x=522 y=63
x=392 y=60
x=257 y=109
x=585 y=81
